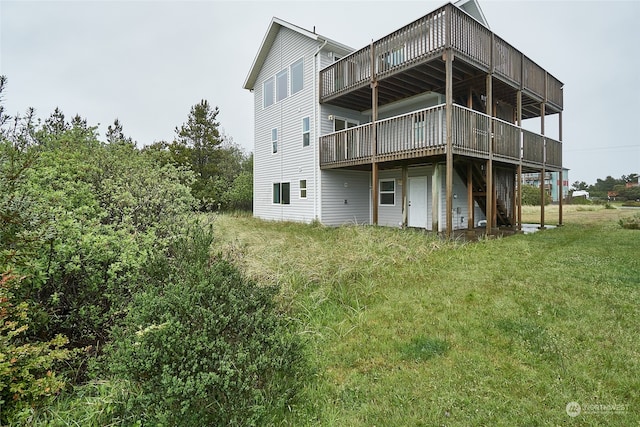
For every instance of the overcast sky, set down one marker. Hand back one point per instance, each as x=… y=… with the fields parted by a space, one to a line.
x=148 y=62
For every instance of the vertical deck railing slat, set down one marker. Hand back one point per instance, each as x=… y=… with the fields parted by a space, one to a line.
x=416 y=133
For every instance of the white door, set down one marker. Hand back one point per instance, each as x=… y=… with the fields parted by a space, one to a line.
x=417 y=202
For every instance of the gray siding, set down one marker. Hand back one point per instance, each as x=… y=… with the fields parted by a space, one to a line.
x=391 y=216
x=345 y=197
x=292 y=162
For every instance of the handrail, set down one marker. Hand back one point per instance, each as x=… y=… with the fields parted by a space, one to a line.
x=415 y=133
x=425 y=39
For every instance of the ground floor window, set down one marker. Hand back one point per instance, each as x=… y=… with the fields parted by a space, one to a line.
x=303 y=188
x=387 y=192
x=281 y=193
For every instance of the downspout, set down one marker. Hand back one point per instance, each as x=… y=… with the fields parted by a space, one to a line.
x=316 y=130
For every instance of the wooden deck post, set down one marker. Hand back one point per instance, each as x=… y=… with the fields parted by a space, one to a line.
x=561 y=186
x=405 y=179
x=436 y=185
x=374 y=138
x=519 y=197
x=519 y=182
x=449 y=124
x=470 y=203
x=489 y=171
x=542 y=174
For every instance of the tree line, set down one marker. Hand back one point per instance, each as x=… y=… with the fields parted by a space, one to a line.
x=626 y=187
x=111 y=281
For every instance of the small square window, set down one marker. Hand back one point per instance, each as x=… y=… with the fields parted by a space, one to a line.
x=387 y=192
x=303 y=188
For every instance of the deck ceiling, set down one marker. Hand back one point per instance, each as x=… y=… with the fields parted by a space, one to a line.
x=430 y=76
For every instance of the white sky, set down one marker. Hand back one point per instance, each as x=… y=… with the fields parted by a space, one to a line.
x=148 y=62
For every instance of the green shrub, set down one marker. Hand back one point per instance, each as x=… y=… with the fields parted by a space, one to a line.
x=531 y=196
x=205 y=345
x=26 y=368
x=580 y=201
x=631 y=223
x=631 y=204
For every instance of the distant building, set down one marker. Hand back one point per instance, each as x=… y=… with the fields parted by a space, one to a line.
x=552 y=183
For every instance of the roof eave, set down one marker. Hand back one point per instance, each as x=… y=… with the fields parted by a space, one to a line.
x=268 y=39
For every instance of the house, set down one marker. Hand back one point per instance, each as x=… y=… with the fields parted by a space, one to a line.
x=421 y=128
x=552 y=182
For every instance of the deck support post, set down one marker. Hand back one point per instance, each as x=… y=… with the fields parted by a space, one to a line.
x=449 y=125
x=519 y=197
x=489 y=170
x=405 y=179
x=436 y=186
x=519 y=179
x=543 y=173
x=561 y=184
x=374 y=140
x=470 y=204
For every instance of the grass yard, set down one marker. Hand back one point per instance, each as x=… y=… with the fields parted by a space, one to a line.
x=405 y=329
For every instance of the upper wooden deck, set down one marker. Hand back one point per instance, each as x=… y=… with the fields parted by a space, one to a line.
x=409 y=62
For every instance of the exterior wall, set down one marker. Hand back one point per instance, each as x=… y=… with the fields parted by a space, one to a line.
x=460 y=206
x=391 y=216
x=346 y=197
x=413 y=104
x=292 y=162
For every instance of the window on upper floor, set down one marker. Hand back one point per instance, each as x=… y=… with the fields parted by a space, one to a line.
x=274 y=140
x=297 y=76
x=306 y=132
x=387 y=192
x=281 y=85
x=267 y=92
x=341 y=124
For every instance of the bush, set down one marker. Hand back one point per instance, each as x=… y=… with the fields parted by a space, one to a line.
x=531 y=196
x=631 y=223
x=26 y=368
x=631 y=204
x=580 y=201
x=205 y=345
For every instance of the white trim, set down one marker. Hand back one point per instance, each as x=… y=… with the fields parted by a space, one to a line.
x=291 y=92
x=308 y=131
x=306 y=189
x=380 y=192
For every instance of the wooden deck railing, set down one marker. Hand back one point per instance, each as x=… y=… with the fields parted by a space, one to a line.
x=471 y=132
x=532 y=147
x=425 y=39
x=423 y=133
x=351 y=145
x=506 y=140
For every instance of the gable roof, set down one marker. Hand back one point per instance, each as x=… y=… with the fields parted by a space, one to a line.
x=472 y=7
x=274 y=27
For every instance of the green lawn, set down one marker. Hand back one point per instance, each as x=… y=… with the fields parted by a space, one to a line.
x=406 y=329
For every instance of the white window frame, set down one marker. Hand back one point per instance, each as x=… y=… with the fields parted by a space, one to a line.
x=386 y=192
x=274 y=141
x=299 y=63
x=265 y=92
x=282 y=85
x=306 y=131
x=303 y=188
